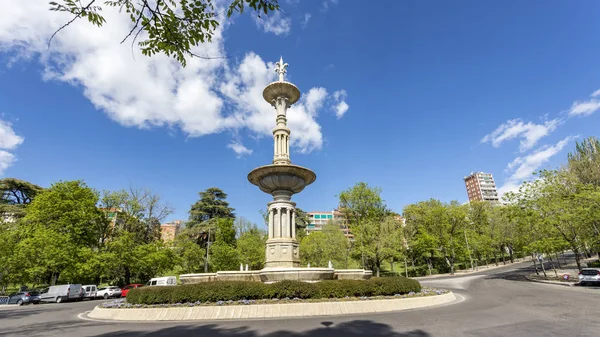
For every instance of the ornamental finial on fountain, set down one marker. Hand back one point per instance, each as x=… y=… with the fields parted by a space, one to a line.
x=280 y=68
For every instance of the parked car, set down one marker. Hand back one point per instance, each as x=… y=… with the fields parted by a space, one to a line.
x=61 y=293
x=589 y=275
x=24 y=297
x=107 y=292
x=163 y=281
x=90 y=291
x=126 y=289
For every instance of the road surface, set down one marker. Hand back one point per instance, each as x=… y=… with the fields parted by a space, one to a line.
x=499 y=302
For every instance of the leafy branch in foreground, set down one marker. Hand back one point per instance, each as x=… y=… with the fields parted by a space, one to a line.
x=173 y=27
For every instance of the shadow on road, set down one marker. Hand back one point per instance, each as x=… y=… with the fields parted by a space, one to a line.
x=18 y=312
x=329 y=329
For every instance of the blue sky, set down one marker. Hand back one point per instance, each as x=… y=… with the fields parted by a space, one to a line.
x=410 y=96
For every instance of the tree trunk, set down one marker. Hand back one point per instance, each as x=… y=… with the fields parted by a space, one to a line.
x=511 y=255
x=392 y=266
x=502 y=254
x=537 y=272
x=577 y=258
x=552 y=264
x=496 y=259
x=127 y=275
x=543 y=268
x=486 y=261
x=405 y=267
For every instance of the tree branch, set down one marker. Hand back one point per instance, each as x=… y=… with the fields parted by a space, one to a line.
x=70 y=21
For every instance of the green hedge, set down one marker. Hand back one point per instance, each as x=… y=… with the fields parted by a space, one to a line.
x=245 y=290
x=594 y=264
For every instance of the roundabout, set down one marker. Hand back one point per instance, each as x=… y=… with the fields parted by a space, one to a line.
x=268 y=311
x=498 y=302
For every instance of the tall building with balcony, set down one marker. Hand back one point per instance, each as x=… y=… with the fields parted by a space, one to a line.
x=481 y=187
x=316 y=221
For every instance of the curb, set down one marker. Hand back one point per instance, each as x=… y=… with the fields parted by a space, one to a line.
x=564 y=284
x=268 y=311
x=481 y=269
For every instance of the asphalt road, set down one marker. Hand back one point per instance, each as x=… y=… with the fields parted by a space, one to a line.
x=495 y=303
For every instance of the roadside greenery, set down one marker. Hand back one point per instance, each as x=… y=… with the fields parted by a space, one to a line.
x=248 y=290
x=71 y=233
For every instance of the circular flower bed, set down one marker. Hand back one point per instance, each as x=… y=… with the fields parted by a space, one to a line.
x=122 y=303
x=245 y=290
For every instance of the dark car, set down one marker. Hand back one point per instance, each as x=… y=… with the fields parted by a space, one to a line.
x=24 y=297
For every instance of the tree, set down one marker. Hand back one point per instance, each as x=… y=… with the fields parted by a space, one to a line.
x=16 y=195
x=363 y=208
x=251 y=248
x=584 y=162
x=190 y=255
x=212 y=205
x=69 y=209
x=172 y=27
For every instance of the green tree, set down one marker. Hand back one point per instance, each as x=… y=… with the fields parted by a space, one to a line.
x=223 y=257
x=584 y=162
x=326 y=245
x=16 y=195
x=363 y=209
x=251 y=248
x=172 y=27
x=212 y=205
x=190 y=255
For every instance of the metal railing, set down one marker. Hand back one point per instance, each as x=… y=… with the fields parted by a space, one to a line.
x=4 y=300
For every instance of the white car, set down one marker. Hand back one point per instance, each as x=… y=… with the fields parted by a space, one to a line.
x=107 y=292
x=589 y=275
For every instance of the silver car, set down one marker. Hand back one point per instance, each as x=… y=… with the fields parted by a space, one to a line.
x=589 y=275
x=24 y=297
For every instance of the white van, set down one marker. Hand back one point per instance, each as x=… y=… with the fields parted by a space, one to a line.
x=90 y=291
x=163 y=281
x=61 y=293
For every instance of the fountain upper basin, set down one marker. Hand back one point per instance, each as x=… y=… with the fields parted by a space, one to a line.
x=286 y=177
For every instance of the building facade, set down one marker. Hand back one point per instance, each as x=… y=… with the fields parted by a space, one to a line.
x=316 y=221
x=481 y=187
x=169 y=230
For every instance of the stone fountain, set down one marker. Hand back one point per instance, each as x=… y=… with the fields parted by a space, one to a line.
x=281 y=179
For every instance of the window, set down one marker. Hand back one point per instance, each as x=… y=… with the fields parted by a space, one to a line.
x=317 y=216
x=329 y=216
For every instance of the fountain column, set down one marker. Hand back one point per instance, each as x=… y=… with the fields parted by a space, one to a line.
x=281 y=179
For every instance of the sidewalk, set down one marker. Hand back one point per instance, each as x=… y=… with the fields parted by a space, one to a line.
x=479 y=269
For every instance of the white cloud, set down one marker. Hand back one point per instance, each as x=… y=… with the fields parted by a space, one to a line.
x=530 y=133
x=326 y=4
x=522 y=168
x=276 y=23
x=206 y=97
x=9 y=140
x=307 y=17
x=239 y=149
x=340 y=106
x=585 y=108
x=6 y=160
x=595 y=93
